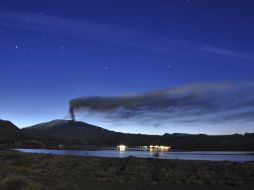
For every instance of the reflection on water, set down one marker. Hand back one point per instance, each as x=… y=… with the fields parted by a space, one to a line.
x=184 y=155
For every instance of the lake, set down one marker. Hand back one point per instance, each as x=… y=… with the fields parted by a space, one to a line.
x=183 y=155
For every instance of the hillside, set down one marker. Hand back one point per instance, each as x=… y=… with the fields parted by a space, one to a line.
x=69 y=131
x=75 y=133
x=211 y=142
x=79 y=133
x=8 y=130
x=10 y=134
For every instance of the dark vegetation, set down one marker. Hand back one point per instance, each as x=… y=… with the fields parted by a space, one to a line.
x=35 y=171
x=80 y=134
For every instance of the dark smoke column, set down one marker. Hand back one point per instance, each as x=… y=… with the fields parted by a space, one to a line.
x=71 y=110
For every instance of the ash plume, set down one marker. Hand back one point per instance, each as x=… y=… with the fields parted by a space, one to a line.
x=72 y=114
x=193 y=103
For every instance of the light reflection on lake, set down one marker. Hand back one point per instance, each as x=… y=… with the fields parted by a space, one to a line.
x=183 y=155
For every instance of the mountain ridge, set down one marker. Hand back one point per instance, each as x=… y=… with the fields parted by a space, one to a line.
x=8 y=129
x=7 y=125
x=80 y=134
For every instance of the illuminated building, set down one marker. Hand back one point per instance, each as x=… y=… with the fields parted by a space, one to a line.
x=121 y=147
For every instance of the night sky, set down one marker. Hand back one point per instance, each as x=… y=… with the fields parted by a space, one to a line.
x=133 y=66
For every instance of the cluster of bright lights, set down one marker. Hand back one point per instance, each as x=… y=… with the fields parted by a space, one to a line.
x=156 y=148
x=121 y=147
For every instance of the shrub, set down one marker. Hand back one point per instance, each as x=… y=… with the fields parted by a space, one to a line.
x=18 y=183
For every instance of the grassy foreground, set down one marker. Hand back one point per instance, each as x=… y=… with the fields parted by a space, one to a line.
x=19 y=171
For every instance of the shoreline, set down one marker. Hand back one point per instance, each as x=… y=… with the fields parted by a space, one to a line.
x=233 y=156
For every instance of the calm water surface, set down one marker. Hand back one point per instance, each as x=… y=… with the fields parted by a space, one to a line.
x=183 y=155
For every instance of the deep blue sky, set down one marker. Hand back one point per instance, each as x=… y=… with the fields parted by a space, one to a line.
x=54 y=51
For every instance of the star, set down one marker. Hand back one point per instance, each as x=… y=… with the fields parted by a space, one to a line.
x=42 y=12
x=168 y=66
x=16 y=47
